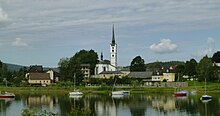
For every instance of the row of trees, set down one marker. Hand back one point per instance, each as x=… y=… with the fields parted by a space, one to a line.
x=204 y=69
x=72 y=66
x=11 y=78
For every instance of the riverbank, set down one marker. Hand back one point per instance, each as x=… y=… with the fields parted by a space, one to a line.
x=211 y=88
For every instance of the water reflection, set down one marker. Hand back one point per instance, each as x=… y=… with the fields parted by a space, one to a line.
x=41 y=101
x=164 y=103
x=105 y=105
x=4 y=104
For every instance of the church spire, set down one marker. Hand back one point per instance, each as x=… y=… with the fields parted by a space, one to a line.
x=113 y=49
x=113 y=36
x=101 y=56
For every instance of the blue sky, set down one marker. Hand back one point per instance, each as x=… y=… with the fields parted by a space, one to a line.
x=44 y=31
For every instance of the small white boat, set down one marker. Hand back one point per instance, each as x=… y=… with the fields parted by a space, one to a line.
x=122 y=92
x=7 y=95
x=206 y=97
x=75 y=93
x=193 y=92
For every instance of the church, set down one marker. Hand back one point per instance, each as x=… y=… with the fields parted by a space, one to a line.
x=106 y=65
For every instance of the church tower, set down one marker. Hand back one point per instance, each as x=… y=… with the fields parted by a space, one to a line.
x=113 y=50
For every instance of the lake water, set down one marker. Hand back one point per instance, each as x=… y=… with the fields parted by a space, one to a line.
x=105 y=105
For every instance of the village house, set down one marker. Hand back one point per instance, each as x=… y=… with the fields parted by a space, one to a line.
x=36 y=76
x=159 y=76
x=85 y=68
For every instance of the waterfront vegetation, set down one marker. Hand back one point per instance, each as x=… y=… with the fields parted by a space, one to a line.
x=74 y=112
x=211 y=87
x=102 y=89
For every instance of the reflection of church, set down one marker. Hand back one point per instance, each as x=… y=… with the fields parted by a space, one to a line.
x=106 y=65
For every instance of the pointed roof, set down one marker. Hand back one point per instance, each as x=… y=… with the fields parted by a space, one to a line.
x=113 y=36
x=101 y=56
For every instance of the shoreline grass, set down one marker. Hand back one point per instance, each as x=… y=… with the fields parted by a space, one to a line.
x=211 y=88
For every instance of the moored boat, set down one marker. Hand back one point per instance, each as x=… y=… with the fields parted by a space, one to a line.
x=206 y=97
x=193 y=92
x=75 y=93
x=180 y=94
x=7 y=95
x=122 y=92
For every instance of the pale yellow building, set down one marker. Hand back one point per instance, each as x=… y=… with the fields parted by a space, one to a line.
x=38 y=78
x=170 y=77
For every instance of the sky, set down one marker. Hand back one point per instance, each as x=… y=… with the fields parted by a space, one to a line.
x=41 y=32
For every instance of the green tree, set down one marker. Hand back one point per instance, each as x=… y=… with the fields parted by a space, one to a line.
x=205 y=69
x=88 y=57
x=72 y=66
x=18 y=77
x=137 y=64
x=64 y=68
x=216 y=57
x=190 y=68
x=180 y=72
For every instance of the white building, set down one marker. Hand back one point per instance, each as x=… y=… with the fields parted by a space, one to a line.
x=106 y=65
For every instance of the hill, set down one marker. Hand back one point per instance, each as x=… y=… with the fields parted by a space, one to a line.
x=163 y=64
x=15 y=67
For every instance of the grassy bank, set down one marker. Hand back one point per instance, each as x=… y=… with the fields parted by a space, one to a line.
x=211 y=87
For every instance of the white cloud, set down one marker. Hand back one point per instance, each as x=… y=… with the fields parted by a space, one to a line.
x=208 y=51
x=164 y=46
x=210 y=42
x=19 y=43
x=3 y=15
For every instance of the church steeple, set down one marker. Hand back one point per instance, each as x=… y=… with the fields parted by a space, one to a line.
x=113 y=36
x=101 y=56
x=113 y=49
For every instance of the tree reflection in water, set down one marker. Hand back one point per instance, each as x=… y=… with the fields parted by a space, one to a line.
x=105 y=105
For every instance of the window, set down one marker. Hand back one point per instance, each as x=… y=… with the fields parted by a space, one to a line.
x=112 y=55
x=112 y=50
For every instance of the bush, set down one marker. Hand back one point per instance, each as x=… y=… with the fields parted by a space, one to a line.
x=80 y=112
x=35 y=112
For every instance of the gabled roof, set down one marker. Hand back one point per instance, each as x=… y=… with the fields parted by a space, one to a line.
x=39 y=76
x=111 y=72
x=36 y=69
x=146 y=74
x=157 y=73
